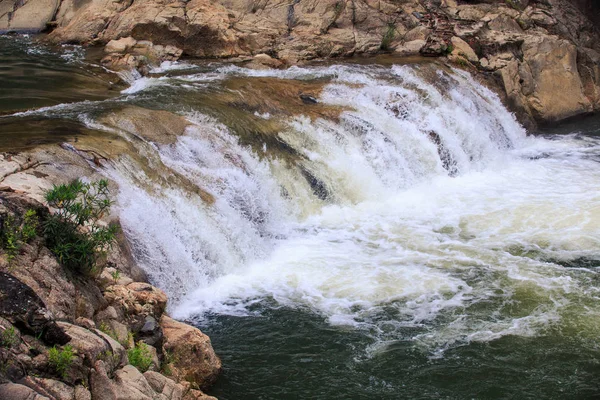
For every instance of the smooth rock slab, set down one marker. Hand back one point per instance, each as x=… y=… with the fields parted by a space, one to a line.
x=26 y=15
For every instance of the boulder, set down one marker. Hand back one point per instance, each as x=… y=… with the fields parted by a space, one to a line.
x=26 y=15
x=94 y=345
x=120 y=46
x=130 y=384
x=22 y=307
x=50 y=388
x=552 y=63
x=14 y=391
x=100 y=385
x=460 y=48
x=194 y=359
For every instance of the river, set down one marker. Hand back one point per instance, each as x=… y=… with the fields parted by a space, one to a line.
x=346 y=231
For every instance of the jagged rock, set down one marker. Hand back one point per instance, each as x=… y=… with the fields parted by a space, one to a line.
x=14 y=391
x=139 y=298
x=434 y=47
x=22 y=307
x=93 y=345
x=100 y=385
x=150 y=332
x=460 y=48
x=82 y=393
x=130 y=384
x=194 y=359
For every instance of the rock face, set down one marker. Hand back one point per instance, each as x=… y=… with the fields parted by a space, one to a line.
x=26 y=15
x=534 y=48
x=67 y=337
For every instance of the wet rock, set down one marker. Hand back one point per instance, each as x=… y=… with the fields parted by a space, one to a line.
x=264 y=61
x=155 y=125
x=308 y=99
x=194 y=359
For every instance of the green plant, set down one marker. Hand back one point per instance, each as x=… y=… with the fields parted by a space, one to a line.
x=140 y=356
x=389 y=35
x=61 y=360
x=9 y=337
x=30 y=225
x=116 y=275
x=73 y=233
x=165 y=366
x=106 y=329
x=14 y=234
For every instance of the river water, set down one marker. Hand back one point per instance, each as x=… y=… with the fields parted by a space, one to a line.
x=380 y=231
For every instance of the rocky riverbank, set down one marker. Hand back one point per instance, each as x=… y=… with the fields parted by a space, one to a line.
x=533 y=49
x=71 y=337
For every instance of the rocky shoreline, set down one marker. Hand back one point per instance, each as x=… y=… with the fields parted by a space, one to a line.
x=101 y=325
x=530 y=49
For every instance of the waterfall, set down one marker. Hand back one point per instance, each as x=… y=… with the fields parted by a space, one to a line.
x=420 y=195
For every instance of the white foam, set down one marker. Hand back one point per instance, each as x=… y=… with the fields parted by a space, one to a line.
x=433 y=208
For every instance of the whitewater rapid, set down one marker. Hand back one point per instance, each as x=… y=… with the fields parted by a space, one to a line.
x=424 y=205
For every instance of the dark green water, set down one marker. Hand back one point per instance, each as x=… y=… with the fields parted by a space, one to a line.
x=290 y=354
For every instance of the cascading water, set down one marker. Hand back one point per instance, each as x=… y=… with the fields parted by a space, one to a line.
x=394 y=234
x=421 y=202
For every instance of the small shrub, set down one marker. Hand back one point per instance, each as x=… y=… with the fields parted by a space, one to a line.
x=30 y=225
x=116 y=275
x=9 y=337
x=61 y=360
x=388 y=37
x=14 y=234
x=73 y=233
x=140 y=357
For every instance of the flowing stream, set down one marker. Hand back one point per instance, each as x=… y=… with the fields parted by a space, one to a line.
x=361 y=231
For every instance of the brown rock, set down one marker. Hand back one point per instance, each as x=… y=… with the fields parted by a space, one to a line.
x=14 y=391
x=553 y=66
x=27 y=16
x=50 y=388
x=460 y=48
x=130 y=384
x=157 y=126
x=194 y=359
x=100 y=385
x=120 y=46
